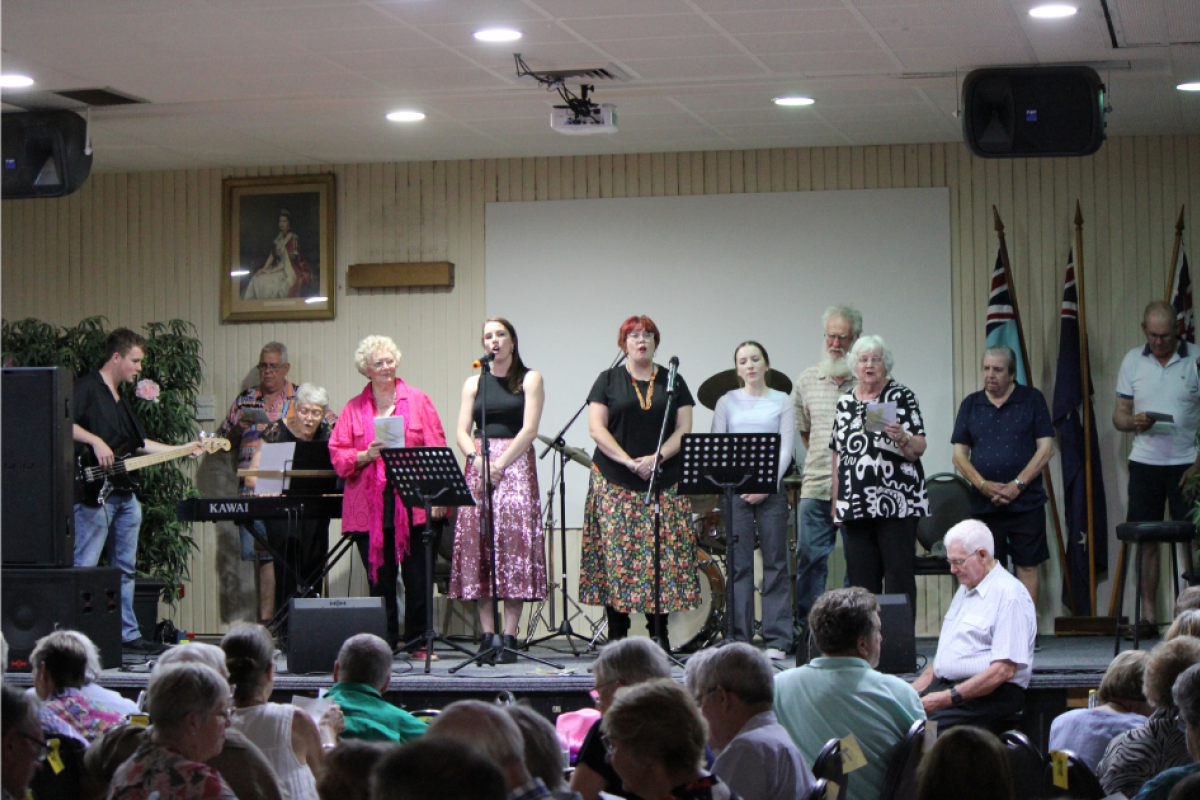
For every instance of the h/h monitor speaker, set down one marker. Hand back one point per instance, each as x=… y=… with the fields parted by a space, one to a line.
x=46 y=154
x=899 y=654
x=35 y=602
x=1024 y=112
x=317 y=628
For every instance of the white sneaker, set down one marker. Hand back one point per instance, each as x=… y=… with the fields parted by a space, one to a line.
x=775 y=654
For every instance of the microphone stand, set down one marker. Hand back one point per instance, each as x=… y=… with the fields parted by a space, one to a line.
x=654 y=498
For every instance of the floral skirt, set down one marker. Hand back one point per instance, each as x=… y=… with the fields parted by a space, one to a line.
x=520 y=546
x=618 y=550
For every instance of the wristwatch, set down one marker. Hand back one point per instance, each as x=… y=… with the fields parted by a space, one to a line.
x=955 y=697
x=1020 y=484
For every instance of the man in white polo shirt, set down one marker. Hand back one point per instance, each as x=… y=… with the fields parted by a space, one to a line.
x=1155 y=380
x=985 y=651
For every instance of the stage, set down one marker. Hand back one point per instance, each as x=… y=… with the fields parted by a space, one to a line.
x=1065 y=669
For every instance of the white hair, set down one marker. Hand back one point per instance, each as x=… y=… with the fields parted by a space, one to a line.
x=972 y=535
x=848 y=313
x=372 y=345
x=311 y=394
x=195 y=653
x=870 y=343
x=276 y=347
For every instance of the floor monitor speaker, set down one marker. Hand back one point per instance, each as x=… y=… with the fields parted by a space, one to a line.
x=317 y=628
x=35 y=602
x=899 y=656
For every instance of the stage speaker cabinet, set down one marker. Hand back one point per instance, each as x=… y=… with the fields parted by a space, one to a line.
x=317 y=628
x=1029 y=112
x=37 y=457
x=899 y=656
x=46 y=154
x=35 y=602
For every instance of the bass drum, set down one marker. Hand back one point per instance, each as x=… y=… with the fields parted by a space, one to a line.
x=697 y=628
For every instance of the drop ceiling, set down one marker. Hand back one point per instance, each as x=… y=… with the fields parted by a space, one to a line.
x=278 y=82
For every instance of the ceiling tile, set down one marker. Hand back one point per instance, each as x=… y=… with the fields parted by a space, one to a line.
x=789 y=21
x=642 y=27
x=808 y=42
x=845 y=62
x=695 y=46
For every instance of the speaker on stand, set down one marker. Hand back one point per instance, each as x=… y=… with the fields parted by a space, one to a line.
x=35 y=602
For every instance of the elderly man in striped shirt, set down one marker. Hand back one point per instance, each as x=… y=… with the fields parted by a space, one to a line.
x=985 y=652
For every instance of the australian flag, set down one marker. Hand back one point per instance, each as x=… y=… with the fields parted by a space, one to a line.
x=1002 y=318
x=1068 y=420
x=1181 y=298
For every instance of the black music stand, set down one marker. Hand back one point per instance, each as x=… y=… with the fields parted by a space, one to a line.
x=421 y=476
x=747 y=462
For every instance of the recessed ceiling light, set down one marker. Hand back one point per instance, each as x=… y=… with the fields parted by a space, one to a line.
x=15 y=81
x=497 y=35
x=406 y=116
x=1052 y=11
x=793 y=100
x=1188 y=87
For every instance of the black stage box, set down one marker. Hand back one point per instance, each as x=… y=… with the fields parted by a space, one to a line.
x=899 y=656
x=317 y=628
x=35 y=602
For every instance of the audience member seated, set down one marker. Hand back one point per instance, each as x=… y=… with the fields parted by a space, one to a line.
x=655 y=739
x=544 y=756
x=623 y=663
x=361 y=675
x=287 y=736
x=114 y=701
x=189 y=706
x=240 y=762
x=734 y=687
x=22 y=744
x=59 y=663
x=1133 y=757
x=493 y=732
x=1186 y=693
x=965 y=762
x=842 y=692
x=1120 y=706
x=1188 y=599
x=347 y=773
x=1186 y=623
x=437 y=769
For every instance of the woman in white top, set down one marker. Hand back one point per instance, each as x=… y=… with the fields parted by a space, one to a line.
x=287 y=736
x=756 y=408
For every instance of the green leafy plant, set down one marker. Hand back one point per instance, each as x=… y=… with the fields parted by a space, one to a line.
x=165 y=544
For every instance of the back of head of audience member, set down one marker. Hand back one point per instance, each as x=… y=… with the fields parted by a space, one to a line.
x=841 y=618
x=365 y=658
x=489 y=729
x=1124 y=678
x=1188 y=599
x=956 y=766
x=1187 y=623
x=630 y=661
x=436 y=769
x=738 y=668
x=249 y=655
x=65 y=659
x=543 y=752
x=1165 y=663
x=1186 y=694
x=195 y=653
x=347 y=773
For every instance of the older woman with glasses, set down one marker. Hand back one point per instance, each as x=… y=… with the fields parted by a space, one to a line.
x=878 y=486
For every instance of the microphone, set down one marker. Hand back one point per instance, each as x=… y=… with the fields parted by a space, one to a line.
x=673 y=364
x=487 y=358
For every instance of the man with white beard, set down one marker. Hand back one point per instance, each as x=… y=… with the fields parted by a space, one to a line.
x=815 y=394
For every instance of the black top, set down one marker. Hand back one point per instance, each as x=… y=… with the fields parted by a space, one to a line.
x=635 y=430
x=592 y=754
x=278 y=432
x=112 y=420
x=505 y=410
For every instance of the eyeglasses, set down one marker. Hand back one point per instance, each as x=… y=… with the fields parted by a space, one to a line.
x=226 y=712
x=841 y=338
x=1160 y=337
x=310 y=413
x=870 y=359
x=641 y=336
x=43 y=749
x=265 y=367
x=386 y=363
x=956 y=563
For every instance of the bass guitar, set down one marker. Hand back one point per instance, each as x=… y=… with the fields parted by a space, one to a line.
x=99 y=482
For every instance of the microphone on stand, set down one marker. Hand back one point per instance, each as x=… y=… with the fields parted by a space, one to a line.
x=487 y=358
x=673 y=365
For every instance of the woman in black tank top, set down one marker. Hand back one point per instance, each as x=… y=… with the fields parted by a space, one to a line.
x=514 y=408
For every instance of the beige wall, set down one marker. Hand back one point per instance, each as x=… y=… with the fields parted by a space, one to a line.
x=142 y=247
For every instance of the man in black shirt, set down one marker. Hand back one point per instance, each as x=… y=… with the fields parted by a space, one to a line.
x=104 y=422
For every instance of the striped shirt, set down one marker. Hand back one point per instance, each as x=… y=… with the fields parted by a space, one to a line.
x=815 y=397
x=995 y=621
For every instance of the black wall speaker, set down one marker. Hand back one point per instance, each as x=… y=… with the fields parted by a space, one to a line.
x=1023 y=112
x=317 y=628
x=899 y=656
x=35 y=602
x=45 y=154
x=37 y=454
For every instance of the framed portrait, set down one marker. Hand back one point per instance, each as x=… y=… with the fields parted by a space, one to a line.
x=279 y=237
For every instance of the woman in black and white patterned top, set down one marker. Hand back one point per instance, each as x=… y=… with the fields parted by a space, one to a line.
x=878 y=484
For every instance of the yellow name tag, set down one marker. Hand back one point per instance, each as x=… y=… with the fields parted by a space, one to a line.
x=852 y=755
x=53 y=758
x=1059 y=761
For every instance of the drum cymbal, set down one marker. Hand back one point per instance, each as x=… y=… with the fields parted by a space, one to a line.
x=573 y=453
x=793 y=481
x=715 y=387
x=704 y=503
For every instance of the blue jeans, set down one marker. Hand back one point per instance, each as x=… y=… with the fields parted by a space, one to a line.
x=817 y=538
x=112 y=528
x=248 y=542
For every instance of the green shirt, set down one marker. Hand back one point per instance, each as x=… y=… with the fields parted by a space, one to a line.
x=371 y=718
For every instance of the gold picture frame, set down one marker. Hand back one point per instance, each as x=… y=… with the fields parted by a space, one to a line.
x=278 y=248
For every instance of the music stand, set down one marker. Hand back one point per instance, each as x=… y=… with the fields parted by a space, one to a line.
x=421 y=476
x=747 y=462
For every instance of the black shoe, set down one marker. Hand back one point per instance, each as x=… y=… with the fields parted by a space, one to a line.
x=140 y=646
x=1146 y=631
x=508 y=655
x=487 y=649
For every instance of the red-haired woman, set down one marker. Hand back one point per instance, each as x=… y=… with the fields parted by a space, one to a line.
x=625 y=415
x=514 y=408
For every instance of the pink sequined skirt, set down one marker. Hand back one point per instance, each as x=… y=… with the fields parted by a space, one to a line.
x=521 y=550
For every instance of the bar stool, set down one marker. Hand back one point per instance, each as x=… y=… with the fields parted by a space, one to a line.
x=1143 y=533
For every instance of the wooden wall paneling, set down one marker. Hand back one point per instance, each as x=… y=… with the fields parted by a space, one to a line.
x=737 y=173
x=767 y=170
x=671 y=175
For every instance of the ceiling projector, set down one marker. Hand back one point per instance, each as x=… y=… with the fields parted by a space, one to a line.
x=599 y=119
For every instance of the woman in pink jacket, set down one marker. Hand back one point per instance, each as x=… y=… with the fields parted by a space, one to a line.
x=369 y=506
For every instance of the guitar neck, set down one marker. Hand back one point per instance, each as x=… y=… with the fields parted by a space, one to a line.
x=139 y=462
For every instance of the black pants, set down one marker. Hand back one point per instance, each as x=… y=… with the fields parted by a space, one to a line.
x=881 y=552
x=304 y=552
x=983 y=712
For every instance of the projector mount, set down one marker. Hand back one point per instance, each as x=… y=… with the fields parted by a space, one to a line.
x=581 y=107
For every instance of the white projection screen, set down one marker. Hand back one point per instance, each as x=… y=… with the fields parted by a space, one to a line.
x=716 y=270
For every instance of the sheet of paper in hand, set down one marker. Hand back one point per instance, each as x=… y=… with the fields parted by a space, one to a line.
x=880 y=415
x=390 y=431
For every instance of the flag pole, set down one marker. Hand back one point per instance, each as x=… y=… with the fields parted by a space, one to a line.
x=1012 y=293
x=1087 y=403
x=1175 y=252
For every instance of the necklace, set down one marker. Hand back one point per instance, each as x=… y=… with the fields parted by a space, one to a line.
x=644 y=403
